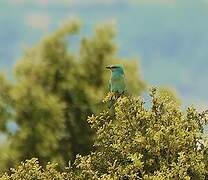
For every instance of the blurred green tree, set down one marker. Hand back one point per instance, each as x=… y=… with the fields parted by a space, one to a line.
x=5 y=102
x=55 y=90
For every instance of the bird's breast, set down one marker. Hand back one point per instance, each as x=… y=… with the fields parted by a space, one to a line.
x=117 y=81
x=117 y=78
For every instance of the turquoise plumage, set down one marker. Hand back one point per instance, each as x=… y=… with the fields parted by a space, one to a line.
x=117 y=80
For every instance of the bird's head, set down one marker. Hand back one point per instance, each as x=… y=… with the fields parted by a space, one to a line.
x=117 y=68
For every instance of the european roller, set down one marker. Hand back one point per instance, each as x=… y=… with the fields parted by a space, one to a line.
x=117 y=80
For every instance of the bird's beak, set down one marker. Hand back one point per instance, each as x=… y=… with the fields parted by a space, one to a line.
x=108 y=67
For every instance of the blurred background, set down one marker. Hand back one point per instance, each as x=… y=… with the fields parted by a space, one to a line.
x=169 y=36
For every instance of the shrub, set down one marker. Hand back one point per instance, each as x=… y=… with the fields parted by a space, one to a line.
x=137 y=142
x=134 y=142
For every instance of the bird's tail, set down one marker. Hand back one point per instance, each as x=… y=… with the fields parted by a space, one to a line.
x=112 y=98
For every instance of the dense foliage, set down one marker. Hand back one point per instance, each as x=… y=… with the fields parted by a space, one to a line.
x=136 y=142
x=55 y=88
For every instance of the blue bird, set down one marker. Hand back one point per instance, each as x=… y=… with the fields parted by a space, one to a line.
x=117 y=80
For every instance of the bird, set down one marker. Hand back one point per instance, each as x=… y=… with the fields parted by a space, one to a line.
x=117 y=80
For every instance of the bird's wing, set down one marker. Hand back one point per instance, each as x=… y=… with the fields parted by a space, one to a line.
x=109 y=85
